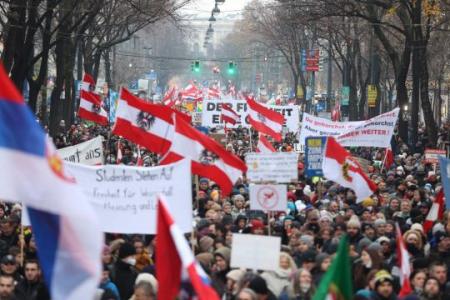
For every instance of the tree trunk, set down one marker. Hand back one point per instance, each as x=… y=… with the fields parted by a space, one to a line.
x=108 y=73
x=15 y=32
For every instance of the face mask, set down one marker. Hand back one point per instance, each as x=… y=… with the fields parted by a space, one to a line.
x=130 y=260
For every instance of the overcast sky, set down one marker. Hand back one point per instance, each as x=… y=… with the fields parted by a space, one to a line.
x=204 y=7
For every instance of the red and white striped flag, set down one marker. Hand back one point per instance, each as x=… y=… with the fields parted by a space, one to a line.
x=174 y=259
x=388 y=158
x=170 y=97
x=90 y=103
x=209 y=159
x=228 y=115
x=146 y=124
x=339 y=166
x=214 y=93
x=436 y=212
x=139 y=161
x=264 y=146
x=265 y=120
x=403 y=262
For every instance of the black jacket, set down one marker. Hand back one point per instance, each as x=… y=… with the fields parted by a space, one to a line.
x=26 y=290
x=124 y=276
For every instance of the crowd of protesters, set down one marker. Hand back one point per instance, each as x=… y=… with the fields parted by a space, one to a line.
x=319 y=212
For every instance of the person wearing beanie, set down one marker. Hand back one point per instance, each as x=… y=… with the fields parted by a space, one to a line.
x=259 y=286
x=124 y=272
x=233 y=277
x=370 y=260
x=323 y=261
x=220 y=269
x=384 y=286
x=257 y=227
x=354 y=230
x=206 y=261
x=206 y=244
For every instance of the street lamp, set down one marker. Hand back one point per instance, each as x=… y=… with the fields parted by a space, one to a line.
x=212 y=19
x=220 y=1
x=405 y=107
x=216 y=9
x=210 y=29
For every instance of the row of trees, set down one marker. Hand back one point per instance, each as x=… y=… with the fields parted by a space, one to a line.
x=68 y=35
x=393 y=44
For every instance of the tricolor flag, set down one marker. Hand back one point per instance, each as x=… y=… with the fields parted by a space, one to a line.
x=174 y=259
x=403 y=262
x=436 y=212
x=149 y=125
x=265 y=120
x=209 y=159
x=336 y=283
x=338 y=165
x=214 y=93
x=264 y=145
x=64 y=223
x=228 y=115
x=91 y=107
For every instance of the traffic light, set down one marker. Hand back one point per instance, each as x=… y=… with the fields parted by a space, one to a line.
x=196 y=66
x=231 y=68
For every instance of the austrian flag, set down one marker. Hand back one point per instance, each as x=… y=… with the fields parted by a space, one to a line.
x=208 y=158
x=264 y=146
x=90 y=103
x=265 y=120
x=229 y=115
x=339 y=166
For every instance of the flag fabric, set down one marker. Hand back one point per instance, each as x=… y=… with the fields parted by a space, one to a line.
x=336 y=283
x=64 y=224
x=264 y=145
x=445 y=178
x=91 y=107
x=388 y=158
x=228 y=115
x=403 y=262
x=191 y=92
x=209 y=159
x=339 y=166
x=173 y=258
x=436 y=212
x=214 y=93
x=336 y=112
x=170 y=97
x=265 y=120
x=146 y=124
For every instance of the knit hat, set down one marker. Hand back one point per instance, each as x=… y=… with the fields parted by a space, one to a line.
x=235 y=275
x=383 y=276
x=126 y=250
x=147 y=277
x=205 y=259
x=363 y=243
x=307 y=239
x=223 y=252
x=206 y=243
x=379 y=222
x=417 y=227
x=354 y=222
x=321 y=257
x=203 y=180
x=374 y=246
x=258 y=285
x=256 y=224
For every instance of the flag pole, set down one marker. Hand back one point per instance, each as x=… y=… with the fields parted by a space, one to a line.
x=384 y=160
x=22 y=243
x=251 y=143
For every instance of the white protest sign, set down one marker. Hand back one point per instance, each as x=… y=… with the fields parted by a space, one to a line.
x=268 y=197
x=266 y=256
x=212 y=110
x=125 y=197
x=375 y=132
x=279 y=167
x=87 y=153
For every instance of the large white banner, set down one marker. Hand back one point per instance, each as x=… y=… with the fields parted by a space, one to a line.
x=212 y=109
x=87 y=153
x=125 y=197
x=279 y=167
x=375 y=132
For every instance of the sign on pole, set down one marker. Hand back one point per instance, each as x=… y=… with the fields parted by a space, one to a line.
x=314 y=155
x=372 y=95
x=432 y=155
x=268 y=197
x=279 y=167
x=345 y=95
x=243 y=254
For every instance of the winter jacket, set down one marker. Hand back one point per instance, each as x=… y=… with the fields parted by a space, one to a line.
x=277 y=280
x=124 y=277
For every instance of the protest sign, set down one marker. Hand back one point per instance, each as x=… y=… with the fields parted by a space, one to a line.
x=375 y=132
x=314 y=155
x=268 y=197
x=432 y=155
x=212 y=110
x=124 y=197
x=87 y=153
x=243 y=254
x=445 y=178
x=279 y=167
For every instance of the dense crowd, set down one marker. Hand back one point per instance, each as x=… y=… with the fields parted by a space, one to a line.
x=319 y=212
